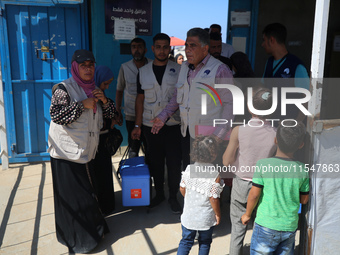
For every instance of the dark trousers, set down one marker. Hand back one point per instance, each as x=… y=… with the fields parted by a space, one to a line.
x=164 y=147
x=135 y=144
x=102 y=177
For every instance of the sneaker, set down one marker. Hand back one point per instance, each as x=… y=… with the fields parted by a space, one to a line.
x=175 y=206
x=156 y=201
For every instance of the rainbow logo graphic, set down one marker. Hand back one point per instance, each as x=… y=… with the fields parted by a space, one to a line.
x=204 y=97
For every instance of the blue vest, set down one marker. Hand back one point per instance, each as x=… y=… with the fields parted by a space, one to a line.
x=287 y=72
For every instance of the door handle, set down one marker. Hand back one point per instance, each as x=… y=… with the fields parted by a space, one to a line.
x=44 y=50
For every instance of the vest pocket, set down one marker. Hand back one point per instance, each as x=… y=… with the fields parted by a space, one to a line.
x=69 y=147
x=147 y=114
x=150 y=95
x=131 y=88
x=129 y=108
x=180 y=95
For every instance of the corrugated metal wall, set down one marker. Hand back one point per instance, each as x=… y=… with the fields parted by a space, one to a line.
x=39 y=42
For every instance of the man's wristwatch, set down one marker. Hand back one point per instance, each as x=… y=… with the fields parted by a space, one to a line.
x=137 y=126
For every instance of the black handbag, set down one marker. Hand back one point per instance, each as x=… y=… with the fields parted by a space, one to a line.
x=113 y=141
x=122 y=161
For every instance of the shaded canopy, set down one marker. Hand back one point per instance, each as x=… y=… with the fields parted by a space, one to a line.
x=174 y=41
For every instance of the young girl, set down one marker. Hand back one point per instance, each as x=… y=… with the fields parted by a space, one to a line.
x=201 y=187
x=246 y=146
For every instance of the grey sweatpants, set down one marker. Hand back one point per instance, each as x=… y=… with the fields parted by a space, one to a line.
x=238 y=206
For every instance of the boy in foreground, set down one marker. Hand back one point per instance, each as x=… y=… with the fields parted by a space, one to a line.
x=280 y=184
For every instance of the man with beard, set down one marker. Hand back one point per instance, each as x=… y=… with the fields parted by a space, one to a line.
x=284 y=65
x=215 y=49
x=155 y=87
x=227 y=49
x=126 y=84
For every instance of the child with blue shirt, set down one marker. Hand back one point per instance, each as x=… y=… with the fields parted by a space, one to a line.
x=280 y=184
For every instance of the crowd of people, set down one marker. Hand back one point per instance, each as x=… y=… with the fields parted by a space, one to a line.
x=169 y=116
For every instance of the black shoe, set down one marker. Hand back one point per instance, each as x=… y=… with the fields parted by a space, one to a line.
x=156 y=201
x=175 y=206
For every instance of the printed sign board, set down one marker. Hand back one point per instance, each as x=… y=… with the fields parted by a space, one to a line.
x=140 y=11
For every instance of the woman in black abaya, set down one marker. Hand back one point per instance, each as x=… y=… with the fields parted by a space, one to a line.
x=77 y=111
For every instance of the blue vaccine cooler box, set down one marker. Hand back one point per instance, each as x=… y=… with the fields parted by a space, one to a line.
x=135 y=182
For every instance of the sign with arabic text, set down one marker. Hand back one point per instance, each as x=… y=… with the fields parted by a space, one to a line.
x=140 y=11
